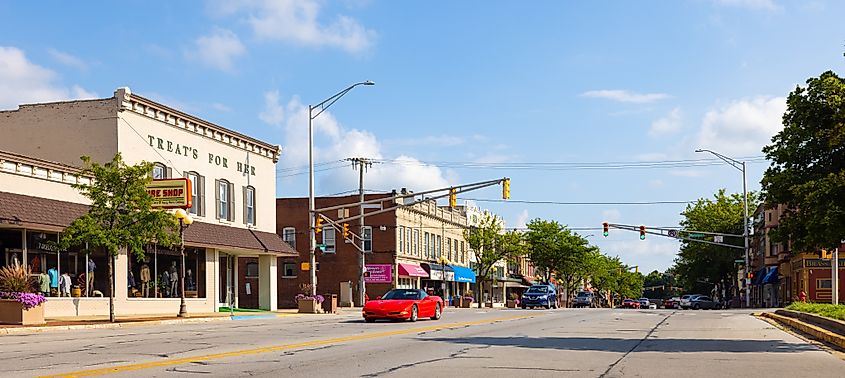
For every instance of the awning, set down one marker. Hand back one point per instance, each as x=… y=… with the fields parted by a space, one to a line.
x=758 y=277
x=412 y=270
x=771 y=277
x=463 y=274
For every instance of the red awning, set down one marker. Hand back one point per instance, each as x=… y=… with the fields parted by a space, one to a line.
x=412 y=270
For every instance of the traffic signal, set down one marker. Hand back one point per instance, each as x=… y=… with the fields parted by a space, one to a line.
x=606 y=229
x=346 y=230
x=318 y=228
x=642 y=232
x=506 y=189
x=453 y=198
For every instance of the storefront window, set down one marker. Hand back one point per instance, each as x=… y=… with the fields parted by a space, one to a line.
x=11 y=247
x=157 y=275
x=64 y=273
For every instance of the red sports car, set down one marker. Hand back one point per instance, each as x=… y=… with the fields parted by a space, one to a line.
x=410 y=304
x=630 y=303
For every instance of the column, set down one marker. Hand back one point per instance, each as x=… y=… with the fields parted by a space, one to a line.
x=121 y=280
x=267 y=283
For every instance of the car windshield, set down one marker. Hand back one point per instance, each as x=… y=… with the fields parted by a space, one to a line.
x=538 y=289
x=403 y=295
x=584 y=294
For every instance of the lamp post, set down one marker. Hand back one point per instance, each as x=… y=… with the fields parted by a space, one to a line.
x=740 y=165
x=312 y=213
x=185 y=220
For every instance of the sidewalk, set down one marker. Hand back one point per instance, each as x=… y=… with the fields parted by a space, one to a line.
x=102 y=322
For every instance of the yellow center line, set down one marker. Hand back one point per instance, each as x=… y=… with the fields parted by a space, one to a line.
x=275 y=348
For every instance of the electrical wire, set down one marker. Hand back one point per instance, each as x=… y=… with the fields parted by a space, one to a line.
x=577 y=203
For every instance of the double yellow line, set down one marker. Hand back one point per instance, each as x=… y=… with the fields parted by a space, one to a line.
x=275 y=348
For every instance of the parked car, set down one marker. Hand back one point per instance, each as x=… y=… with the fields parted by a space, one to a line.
x=656 y=301
x=686 y=298
x=674 y=302
x=410 y=304
x=585 y=299
x=540 y=295
x=630 y=303
x=704 y=302
x=644 y=302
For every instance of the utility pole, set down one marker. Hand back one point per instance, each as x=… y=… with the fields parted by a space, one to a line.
x=362 y=164
x=834 y=264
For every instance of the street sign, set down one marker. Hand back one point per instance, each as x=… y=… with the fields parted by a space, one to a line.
x=673 y=233
x=696 y=235
x=718 y=239
x=739 y=261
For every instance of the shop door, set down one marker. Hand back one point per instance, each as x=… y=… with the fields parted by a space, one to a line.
x=225 y=278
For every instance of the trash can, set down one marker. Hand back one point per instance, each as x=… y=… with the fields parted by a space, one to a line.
x=330 y=303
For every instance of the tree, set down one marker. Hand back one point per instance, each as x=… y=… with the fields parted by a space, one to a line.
x=807 y=173
x=491 y=246
x=121 y=216
x=553 y=248
x=702 y=266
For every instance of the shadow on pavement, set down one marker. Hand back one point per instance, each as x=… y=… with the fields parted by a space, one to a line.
x=605 y=344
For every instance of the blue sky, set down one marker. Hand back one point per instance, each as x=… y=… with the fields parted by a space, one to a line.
x=479 y=85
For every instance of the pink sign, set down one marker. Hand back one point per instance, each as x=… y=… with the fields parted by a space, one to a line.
x=379 y=273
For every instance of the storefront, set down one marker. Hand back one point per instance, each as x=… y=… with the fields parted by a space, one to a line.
x=813 y=276
x=464 y=277
x=409 y=275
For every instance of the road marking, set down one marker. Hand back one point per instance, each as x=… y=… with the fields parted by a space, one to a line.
x=275 y=348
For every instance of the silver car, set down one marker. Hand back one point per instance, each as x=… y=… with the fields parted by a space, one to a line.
x=686 y=300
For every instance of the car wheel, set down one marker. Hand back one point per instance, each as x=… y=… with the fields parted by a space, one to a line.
x=523 y=307
x=437 y=312
x=370 y=320
x=549 y=305
x=413 y=317
x=696 y=307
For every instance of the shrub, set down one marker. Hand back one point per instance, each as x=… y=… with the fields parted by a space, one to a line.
x=16 y=279
x=823 y=309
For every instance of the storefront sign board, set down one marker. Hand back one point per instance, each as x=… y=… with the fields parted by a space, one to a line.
x=379 y=273
x=170 y=193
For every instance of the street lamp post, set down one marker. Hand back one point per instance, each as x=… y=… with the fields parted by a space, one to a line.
x=740 y=165
x=185 y=220
x=312 y=213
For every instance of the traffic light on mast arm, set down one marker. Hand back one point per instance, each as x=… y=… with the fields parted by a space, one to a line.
x=506 y=188
x=453 y=198
x=346 y=230
x=318 y=227
x=642 y=232
x=605 y=229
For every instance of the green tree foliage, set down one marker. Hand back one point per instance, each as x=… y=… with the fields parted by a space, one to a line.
x=699 y=265
x=555 y=249
x=808 y=165
x=491 y=246
x=121 y=216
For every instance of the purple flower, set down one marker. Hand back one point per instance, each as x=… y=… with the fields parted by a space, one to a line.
x=318 y=298
x=28 y=300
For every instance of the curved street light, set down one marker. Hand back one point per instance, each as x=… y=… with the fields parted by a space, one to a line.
x=321 y=107
x=185 y=220
x=740 y=165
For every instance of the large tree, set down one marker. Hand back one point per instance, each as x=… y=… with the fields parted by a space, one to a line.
x=555 y=249
x=492 y=245
x=807 y=173
x=701 y=266
x=121 y=216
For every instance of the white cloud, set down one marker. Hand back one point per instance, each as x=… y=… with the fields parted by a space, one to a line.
x=768 y=5
x=23 y=82
x=333 y=142
x=521 y=219
x=220 y=107
x=299 y=21
x=68 y=59
x=611 y=215
x=625 y=96
x=218 y=49
x=655 y=183
x=742 y=127
x=431 y=140
x=669 y=124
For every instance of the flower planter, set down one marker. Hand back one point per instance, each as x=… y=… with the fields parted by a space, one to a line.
x=308 y=306
x=12 y=312
x=466 y=303
x=511 y=303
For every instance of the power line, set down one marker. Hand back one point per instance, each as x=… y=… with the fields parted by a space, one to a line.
x=579 y=203
x=562 y=166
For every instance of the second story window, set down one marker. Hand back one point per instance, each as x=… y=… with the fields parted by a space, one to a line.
x=426 y=245
x=401 y=246
x=416 y=241
x=197 y=193
x=289 y=236
x=367 y=236
x=225 y=200
x=329 y=240
x=159 y=171
x=249 y=205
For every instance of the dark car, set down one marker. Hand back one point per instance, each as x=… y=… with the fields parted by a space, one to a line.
x=585 y=299
x=704 y=302
x=540 y=295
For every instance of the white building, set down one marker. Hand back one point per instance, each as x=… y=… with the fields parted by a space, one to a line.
x=234 y=182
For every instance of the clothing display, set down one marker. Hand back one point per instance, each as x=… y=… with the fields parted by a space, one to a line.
x=145 y=281
x=54 y=277
x=44 y=283
x=90 y=273
x=64 y=285
x=174 y=281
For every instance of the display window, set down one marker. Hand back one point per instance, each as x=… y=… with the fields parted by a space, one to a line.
x=157 y=274
x=75 y=272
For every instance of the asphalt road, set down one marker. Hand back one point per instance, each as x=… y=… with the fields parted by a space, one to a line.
x=465 y=343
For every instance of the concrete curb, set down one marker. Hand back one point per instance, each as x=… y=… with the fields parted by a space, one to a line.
x=813 y=331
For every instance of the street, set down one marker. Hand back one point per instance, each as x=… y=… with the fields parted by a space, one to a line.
x=467 y=342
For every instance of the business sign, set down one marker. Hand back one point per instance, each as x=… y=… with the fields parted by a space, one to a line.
x=436 y=274
x=379 y=273
x=170 y=193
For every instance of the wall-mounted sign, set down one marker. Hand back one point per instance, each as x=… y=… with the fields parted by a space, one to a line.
x=193 y=152
x=170 y=193
x=379 y=273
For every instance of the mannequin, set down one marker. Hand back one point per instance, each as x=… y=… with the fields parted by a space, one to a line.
x=145 y=280
x=64 y=285
x=174 y=281
x=90 y=273
x=189 y=280
x=54 y=280
x=165 y=284
x=15 y=260
x=44 y=284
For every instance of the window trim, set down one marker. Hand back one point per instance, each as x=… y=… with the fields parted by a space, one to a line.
x=284 y=270
x=254 y=220
x=230 y=200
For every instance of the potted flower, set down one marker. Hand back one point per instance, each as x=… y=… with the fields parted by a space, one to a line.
x=513 y=301
x=19 y=304
x=467 y=299
x=308 y=303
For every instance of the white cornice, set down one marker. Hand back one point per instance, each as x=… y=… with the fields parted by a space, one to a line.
x=41 y=169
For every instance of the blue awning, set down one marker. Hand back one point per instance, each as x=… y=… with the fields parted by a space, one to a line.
x=771 y=277
x=463 y=274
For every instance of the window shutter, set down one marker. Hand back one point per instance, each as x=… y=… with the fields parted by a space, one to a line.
x=201 y=195
x=231 y=202
x=217 y=198
x=169 y=172
x=246 y=221
x=254 y=207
